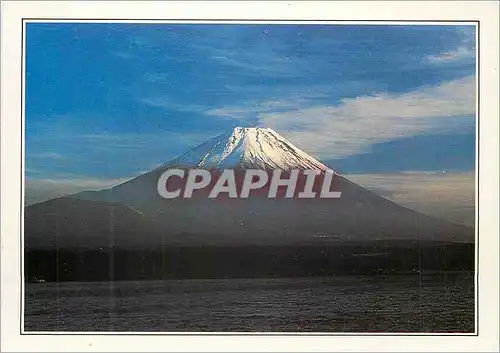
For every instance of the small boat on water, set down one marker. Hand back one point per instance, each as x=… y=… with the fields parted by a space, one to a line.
x=37 y=280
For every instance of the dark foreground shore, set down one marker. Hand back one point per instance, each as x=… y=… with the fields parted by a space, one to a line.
x=115 y=264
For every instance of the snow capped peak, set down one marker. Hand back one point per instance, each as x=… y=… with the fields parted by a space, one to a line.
x=248 y=147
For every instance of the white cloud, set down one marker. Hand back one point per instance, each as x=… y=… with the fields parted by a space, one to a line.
x=38 y=190
x=353 y=125
x=458 y=54
x=445 y=195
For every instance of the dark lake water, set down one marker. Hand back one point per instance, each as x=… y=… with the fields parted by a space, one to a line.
x=395 y=303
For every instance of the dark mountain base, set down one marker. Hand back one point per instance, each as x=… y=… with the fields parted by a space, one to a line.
x=113 y=264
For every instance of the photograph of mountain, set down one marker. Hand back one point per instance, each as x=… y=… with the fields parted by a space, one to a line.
x=239 y=177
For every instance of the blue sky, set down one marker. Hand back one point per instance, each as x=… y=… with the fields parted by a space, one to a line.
x=109 y=101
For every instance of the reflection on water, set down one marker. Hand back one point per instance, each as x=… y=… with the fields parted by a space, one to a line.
x=405 y=303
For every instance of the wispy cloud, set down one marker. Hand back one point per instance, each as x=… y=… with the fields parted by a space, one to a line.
x=450 y=56
x=106 y=154
x=262 y=63
x=446 y=195
x=135 y=140
x=166 y=102
x=355 y=124
x=464 y=51
x=251 y=109
x=57 y=131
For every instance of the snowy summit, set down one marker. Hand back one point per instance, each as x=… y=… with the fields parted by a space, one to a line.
x=256 y=148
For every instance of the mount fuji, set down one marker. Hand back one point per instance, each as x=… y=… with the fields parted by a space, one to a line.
x=133 y=214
